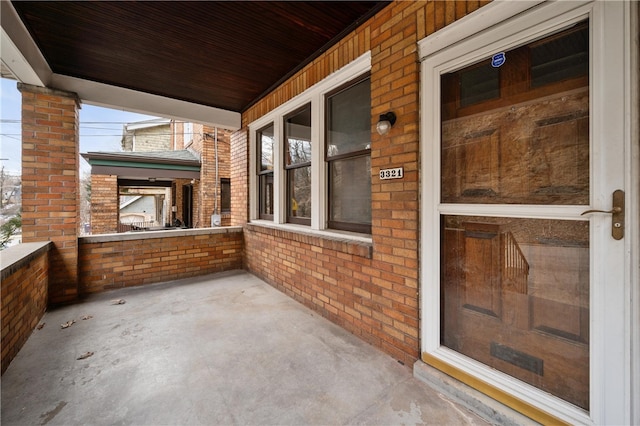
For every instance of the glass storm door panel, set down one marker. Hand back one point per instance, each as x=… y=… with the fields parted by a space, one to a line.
x=515 y=290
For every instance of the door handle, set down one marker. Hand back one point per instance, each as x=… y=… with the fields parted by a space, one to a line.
x=613 y=210
x=616 y=212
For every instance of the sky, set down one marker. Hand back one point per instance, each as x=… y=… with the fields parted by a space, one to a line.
x=100 y=128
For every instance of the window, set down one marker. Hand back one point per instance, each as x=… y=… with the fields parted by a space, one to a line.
x=561 y=57
x=266 y=145
x=348 y=156
x=225 y=195
x=297 y=127
x=312 y=155
x=479 y=84
x=526 y=72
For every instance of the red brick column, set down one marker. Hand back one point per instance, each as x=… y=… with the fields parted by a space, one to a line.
x=207 y=186
x=105 y=203
x=240 y=177
x=50 y=182
x=197 y=209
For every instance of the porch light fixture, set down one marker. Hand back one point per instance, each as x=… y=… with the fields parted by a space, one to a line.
x=385 y=123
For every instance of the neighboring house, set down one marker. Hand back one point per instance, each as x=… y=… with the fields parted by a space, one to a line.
x=161 y=162
x=140 y=212
x=150 y=135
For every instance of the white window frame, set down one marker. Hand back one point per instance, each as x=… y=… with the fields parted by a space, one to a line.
x=315 y=96
x=260 y=172
x=614 y=326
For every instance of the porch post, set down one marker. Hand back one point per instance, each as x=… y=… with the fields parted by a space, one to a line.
x=50 y=183
x=207 y=184
x=105 y=203
x=240 y=177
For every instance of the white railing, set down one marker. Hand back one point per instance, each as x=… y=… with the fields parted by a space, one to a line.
x=515 y=266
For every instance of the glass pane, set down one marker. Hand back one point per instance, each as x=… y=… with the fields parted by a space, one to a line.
x=349 y=120
x=300 y=192
x=265 y=148
x=515 y=291
x=479 y=84
x=225 y=195
x=350 y=190
x=298 y=137
x=266 y=194
x=515 y=296
x=560 y=58
x=531 y=146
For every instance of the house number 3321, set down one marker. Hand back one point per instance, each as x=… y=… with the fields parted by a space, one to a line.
x=391 y=173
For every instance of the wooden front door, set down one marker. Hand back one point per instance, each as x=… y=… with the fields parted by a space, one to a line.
x=515 y=290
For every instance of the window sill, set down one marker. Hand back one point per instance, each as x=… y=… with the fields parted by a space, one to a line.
x=345 y=242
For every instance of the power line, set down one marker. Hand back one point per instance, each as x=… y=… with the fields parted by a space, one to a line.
x=17 y=121
x=13 y=135
x=8 y=120
x=110 y=135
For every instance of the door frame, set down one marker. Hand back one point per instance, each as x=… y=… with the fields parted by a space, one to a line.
x=187 y=205
x=615 y=322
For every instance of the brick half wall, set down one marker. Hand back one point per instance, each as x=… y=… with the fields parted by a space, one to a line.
x=25 y=281
x=340 y=279
x=124 y=260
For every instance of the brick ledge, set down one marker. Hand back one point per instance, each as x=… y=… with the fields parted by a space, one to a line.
x=357 y=246
x=144 y=235
x=15 y=257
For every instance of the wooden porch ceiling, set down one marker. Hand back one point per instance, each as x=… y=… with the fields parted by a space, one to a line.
x=221 y=54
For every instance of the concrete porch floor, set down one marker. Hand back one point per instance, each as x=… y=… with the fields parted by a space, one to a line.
x=223 y=349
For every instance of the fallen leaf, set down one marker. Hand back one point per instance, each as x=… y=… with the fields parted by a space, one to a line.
x=68 y=324
x=85 y=355
x=118 y=302
x=41 y=325
x=86 y=317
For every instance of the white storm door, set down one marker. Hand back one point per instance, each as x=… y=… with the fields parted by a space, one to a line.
x=524 y=132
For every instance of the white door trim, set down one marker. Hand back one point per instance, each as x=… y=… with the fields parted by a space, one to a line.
x=632 y=81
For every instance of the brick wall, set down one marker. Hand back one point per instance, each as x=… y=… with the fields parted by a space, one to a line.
x=105 y=203
x=375 y=298
x=195 y=140
x=177 y=202
x=224 y=166
x=239 y=169
x=343 y=281
x=24 y=297
x=197 y=208
x=339 y=279
x=208 y=195
x=115 y=261
x=207 y=178
x=50 y=181
x=177 y=131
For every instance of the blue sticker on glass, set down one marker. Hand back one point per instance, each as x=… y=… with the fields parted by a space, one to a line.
x=498 y=59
